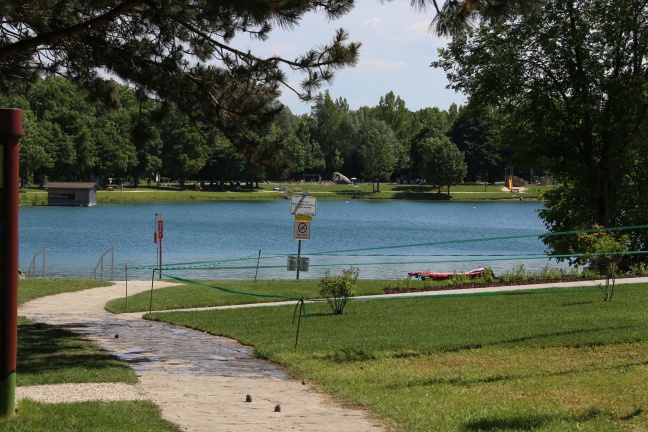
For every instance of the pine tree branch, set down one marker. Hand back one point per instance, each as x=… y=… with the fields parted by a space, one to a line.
x=69 y=32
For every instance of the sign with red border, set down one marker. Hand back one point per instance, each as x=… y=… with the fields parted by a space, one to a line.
x=302 y=230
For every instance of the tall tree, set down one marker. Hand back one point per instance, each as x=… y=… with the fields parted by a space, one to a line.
x=181 y=51
x=34 y=146
x=327 y=116
x=224 y=164
x=471 y=132
x=442 y=162
x=185 y=147
x=570 y=78
x=378 y=146
x=392 y=110
x=428 y=123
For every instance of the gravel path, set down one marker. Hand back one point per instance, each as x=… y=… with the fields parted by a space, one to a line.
x=199 y=381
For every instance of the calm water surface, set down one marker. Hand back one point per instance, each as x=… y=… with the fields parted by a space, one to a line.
x=378 y=236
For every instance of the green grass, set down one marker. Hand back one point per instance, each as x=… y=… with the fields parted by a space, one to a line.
x=545 y=360
x=30 y=289
x=232 y=292
x=190 y=296
x=53 y=355
x=35 y=196
x=133 y=416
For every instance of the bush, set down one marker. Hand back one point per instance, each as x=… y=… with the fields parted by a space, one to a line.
x=459 y=279
x=518 y=274
x=337 y=289
x=487 y=277
x=639 y=269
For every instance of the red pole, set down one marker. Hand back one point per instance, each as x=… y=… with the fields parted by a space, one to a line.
x=10 y=132
x=159 y=226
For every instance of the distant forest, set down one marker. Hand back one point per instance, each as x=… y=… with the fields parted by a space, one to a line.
x=69 y=137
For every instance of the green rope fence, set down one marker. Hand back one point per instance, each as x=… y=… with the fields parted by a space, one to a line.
x=300 y=301
x=206 y=265
x=220 y=265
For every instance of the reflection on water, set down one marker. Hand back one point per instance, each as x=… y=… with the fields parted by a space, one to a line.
x=386 y=239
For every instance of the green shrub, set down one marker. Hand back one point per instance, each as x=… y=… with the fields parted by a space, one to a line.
x=337 y=289
x=32 y=199
x=487 y=277
x=639 y=269
x=459 y=279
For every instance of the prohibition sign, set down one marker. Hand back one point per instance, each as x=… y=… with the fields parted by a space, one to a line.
x=302 y=231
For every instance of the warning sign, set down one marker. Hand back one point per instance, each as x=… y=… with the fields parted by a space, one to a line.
x=302 y=230
x=303 y=205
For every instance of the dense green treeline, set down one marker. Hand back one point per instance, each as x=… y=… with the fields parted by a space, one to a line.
x=70 y=137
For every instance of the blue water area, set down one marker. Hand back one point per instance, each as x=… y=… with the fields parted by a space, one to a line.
x=384 y=238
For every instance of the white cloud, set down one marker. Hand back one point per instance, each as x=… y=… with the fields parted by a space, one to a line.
x=419 y=29
x=372 y=22
x=381 y=64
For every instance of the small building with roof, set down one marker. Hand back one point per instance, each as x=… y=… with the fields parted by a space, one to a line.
x=71 y=193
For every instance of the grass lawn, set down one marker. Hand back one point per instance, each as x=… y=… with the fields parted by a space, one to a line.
x=52 y=355
x=30 y=289
x=189 y=296
x=539 y=360
x=35 y=196
x=137 y=416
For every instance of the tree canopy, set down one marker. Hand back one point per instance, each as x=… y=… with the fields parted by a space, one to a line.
x=569 y=79
x=178 y=51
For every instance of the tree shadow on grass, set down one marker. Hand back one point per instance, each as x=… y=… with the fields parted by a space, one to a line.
x=530 y=422
x=45 y=349
x=422 y=196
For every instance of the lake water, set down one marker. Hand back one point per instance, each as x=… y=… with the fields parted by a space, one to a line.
x=386 y=239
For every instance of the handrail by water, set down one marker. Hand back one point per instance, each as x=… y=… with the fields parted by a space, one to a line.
x=31 y=271
x=101 y=262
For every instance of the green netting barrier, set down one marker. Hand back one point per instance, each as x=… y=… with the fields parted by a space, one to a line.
x=219 y=265
x=191 y=265
x=300 y=301
x=206 y=265
x=441 y=261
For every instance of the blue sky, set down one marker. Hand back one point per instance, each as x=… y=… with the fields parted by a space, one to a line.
x=396 y=53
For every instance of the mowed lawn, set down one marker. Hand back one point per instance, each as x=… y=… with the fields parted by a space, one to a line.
x=551 y=360
x=53 y=355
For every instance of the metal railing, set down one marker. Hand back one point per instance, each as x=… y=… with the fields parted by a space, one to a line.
x=101 y=263
x=31 y=271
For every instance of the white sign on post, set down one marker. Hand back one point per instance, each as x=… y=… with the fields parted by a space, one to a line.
x=304 y=205
x=302 y=230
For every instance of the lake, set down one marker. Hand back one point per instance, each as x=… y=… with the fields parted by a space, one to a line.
x=385 y=239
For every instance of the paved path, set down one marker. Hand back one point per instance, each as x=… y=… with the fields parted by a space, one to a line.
x=199 y=381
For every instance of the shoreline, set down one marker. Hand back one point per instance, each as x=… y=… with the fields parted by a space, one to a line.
x=271 y=192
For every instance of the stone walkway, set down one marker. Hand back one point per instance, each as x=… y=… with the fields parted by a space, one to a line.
x=200 y=381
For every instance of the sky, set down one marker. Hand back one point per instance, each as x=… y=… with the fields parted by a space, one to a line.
x=397 y=49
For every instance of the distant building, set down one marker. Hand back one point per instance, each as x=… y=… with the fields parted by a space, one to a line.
x=71 y=194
